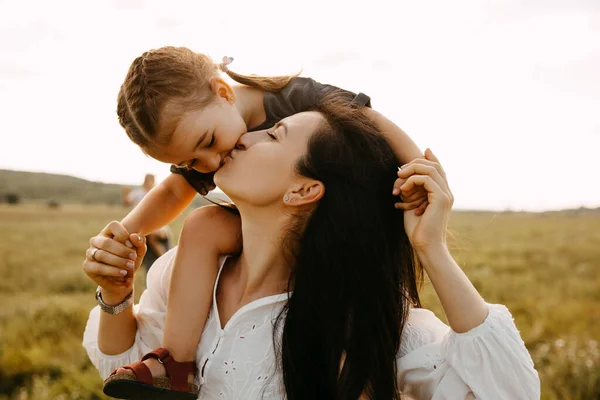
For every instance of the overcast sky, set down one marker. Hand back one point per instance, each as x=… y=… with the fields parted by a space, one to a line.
x=507 y=93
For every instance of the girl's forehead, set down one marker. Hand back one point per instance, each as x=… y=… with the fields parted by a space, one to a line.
x=176 y=113
x=189 y=120
x=198 y=122
x=168 y=145
x=156 y=151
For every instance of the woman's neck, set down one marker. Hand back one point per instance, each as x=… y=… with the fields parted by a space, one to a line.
x=263 y=268
x=249 y=102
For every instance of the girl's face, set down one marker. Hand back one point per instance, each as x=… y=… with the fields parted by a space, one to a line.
x=201 y=139
x=262 y=167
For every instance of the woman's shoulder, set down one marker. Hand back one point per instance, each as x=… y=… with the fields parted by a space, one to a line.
x=422 y=317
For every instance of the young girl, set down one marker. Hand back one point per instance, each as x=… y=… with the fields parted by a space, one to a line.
x=175 y=105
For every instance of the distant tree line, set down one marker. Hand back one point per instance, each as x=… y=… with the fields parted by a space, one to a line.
x=10 y=198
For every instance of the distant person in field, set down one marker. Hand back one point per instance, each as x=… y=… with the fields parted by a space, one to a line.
x=159 y=241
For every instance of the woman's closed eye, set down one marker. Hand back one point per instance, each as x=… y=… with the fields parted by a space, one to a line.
x=272 y=134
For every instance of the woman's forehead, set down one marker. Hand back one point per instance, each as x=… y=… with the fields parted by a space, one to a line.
x=308 y=120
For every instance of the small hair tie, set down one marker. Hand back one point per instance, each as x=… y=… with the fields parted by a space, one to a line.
x=225 y=62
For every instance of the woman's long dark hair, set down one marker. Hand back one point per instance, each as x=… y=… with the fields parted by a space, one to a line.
x=355 y=275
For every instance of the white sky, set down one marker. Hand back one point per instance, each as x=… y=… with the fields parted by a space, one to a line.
x=507 y=93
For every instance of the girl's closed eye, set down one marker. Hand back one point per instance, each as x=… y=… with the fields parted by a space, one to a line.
x=212 y=142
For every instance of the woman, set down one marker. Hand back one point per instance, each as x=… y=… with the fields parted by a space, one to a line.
x=321 y=301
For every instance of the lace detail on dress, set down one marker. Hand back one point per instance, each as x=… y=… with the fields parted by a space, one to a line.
x=422 y=328
x=414 y=337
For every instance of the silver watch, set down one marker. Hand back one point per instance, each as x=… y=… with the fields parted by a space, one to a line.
x=116 y=309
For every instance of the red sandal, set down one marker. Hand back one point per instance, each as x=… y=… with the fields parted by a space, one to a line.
x=176 y=385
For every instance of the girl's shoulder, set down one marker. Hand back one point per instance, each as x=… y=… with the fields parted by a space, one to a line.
x=300 y=95
x=306 y=92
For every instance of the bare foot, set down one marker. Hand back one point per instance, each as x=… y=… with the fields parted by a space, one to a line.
x=156 y=369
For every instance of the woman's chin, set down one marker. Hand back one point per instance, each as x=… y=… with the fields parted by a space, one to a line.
x=223 y=171
x=222 y=180
x=217 y=179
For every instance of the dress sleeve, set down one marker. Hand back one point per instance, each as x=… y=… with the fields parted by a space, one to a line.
x=488 y=362
x=492 y=358
x=150 y=317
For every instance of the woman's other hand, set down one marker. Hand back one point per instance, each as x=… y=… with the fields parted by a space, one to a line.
x=428 y=230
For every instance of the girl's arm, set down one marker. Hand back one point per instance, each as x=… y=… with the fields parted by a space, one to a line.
x=160 y=206
x=404 y=147
x=406 y=151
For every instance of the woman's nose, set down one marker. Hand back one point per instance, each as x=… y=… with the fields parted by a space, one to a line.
x=248 y=139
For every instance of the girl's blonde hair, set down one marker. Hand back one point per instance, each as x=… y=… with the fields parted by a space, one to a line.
x=174 y=76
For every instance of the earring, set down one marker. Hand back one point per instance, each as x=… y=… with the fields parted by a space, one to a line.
x=286 y=198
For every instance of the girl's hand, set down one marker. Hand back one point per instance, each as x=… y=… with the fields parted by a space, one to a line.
x=113 y=257
x=415 y=199
x=428 y=230
x=202 y=182
x=206 y=185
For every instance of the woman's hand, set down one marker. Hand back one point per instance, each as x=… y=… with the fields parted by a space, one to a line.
x=112 y=259
x=463 y=306
x=428 y=230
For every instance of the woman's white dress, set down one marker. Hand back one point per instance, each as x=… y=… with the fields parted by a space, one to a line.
x=238 y=361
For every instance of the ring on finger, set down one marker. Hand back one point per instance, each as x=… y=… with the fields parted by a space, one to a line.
x=94 y=254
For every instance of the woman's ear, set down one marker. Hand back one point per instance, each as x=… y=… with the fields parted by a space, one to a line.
x=306 y=193
x=222 y=89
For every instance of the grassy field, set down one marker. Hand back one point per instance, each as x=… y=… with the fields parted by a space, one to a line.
x=544 y=267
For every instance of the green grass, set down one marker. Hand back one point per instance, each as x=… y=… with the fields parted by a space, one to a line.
x=544 y=267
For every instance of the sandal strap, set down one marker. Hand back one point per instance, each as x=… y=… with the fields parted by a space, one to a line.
x=177 y=372
x=141 y=371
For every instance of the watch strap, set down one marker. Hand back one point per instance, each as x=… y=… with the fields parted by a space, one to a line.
x=116 y=309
